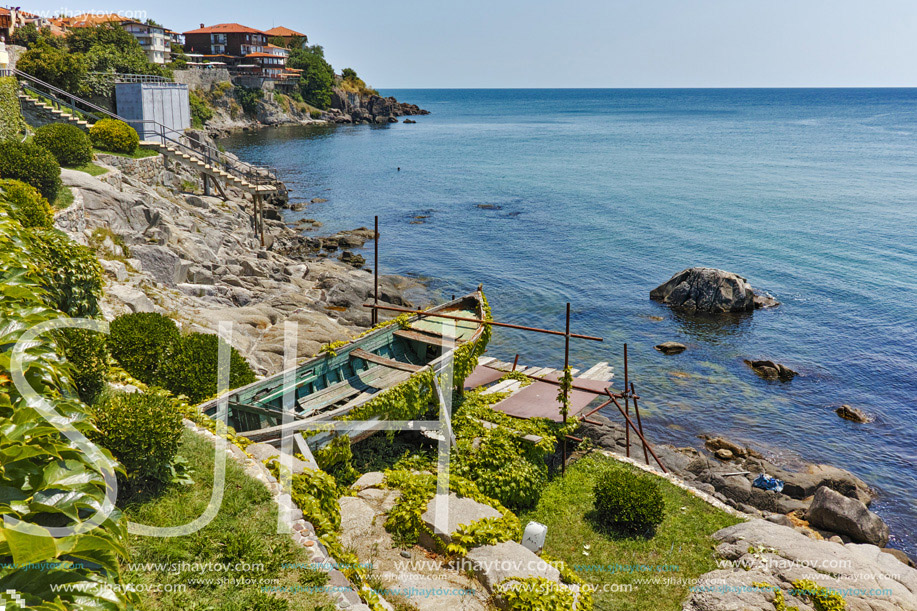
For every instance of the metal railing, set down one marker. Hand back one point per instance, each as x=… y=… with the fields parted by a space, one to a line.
x=252 y=174
x=120 y=77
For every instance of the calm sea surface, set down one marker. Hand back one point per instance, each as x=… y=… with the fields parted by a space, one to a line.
x=597 y=196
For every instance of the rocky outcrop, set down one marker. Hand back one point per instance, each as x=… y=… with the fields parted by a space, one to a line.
x=835 y=512
x=705 y=289
x=761 y=552
x=200 y=260
x=725 y=470
x=350 y=107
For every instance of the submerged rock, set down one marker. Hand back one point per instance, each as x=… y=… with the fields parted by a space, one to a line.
x=671 y=348
x=851 y=413
x=769 y=370
x=706 y=289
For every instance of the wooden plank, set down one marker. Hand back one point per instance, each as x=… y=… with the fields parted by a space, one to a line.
x=390 y=379
x=533 y=439
x=504 y=386
x=425 y=337
x=305 y=451
x=359 y=353
x=596 y=371
x=484 y=360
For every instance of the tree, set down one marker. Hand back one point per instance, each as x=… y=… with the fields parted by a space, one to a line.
x=81 y=40
x=317 y=75
x=349 y=73
x=25 y=36
x=59 y=68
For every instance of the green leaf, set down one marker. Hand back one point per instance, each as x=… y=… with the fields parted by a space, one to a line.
x=28 y=548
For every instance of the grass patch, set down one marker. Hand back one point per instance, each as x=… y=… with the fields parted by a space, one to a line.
x=64 y=199
x=90 y=168
x=681 y=548
x=243 y=534
x=140 y=153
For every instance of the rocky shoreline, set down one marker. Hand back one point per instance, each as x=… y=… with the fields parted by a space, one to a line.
x=199 y=260
x=273 y=110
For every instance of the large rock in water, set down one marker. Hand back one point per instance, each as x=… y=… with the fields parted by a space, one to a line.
x=705 y=289
x=837 y=513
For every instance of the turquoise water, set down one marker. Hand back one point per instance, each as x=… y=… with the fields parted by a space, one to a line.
x=597 y=196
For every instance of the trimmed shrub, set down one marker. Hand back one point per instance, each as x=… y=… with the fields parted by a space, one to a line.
x=11 y=121
x=141 y=430
x=141 y=341
x=26 y=204
x=87 y=353
x=68 y=143
x=628 y=502
x=191 y=370
x=69 y=272
x=115 y=136
x=31 y=164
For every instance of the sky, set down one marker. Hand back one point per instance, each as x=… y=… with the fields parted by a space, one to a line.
x=579 y=43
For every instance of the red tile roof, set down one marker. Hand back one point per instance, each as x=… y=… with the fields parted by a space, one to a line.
x=225 y=28
x=282 y=32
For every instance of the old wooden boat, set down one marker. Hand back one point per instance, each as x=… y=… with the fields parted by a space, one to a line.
x=332 y=384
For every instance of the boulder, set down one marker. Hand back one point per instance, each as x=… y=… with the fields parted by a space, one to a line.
x=163 y=264
x=115 y=269
x=461 y=510
x=263 y=451
x=134 y=299
x=715 y=444
x=724 y=454
x=493 y=564
x=671 y=348
x=832 y=511
x=851 y=413
x=769 y=370
x=801 y=485
x=374 y=479
x=705 y=289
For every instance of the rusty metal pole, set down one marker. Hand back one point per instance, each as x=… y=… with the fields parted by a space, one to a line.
x=563 y=468
x=626 y=404
x=375 y=317
x=515 y=362
x=639 y=422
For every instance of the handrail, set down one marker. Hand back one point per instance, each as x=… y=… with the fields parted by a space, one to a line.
x=210 y=155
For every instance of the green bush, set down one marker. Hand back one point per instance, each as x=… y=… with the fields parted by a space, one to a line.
x=87 y=353
x=70 y=273
x=628 y=502
x=200 y=111
x=26 y=204
x=11 y=121
x=191 y=370
x=141 y=430
x=68 y=143
x=31 y=164
x=140 y=342
x=115 y=136
x=248 y=98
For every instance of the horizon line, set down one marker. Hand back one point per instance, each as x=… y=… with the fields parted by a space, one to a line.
x=695 y=88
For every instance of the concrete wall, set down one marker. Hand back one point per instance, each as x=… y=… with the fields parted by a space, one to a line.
x=201 y=78
x=165 y=103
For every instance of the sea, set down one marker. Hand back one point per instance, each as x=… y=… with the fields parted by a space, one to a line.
x=596 y=196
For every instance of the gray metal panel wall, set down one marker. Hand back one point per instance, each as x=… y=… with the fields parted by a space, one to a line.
x=164 y=103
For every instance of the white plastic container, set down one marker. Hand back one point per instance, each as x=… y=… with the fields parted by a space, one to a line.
x=534 y=536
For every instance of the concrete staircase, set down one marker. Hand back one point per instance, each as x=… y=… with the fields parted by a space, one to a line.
x=200 y=165
x=60 y=115
x=196 y=163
